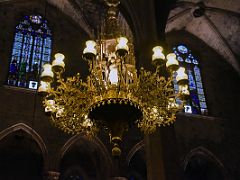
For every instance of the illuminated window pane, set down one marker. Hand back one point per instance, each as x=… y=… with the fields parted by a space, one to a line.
x=197 y=103
x=31 y=49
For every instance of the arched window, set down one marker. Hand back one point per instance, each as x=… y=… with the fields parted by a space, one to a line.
x=31 y=49
x=197 y=103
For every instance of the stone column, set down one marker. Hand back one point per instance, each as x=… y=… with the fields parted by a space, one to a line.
x=162 y=155
x=154 y=157
x=51 y=175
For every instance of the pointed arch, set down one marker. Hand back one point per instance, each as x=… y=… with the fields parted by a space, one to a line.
x=95 y=141
x=135 y=148
x=205 y=153
x=30 y=131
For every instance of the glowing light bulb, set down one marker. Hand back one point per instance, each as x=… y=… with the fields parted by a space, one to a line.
x=172 y=63
x=47 y=74
x=90 y=51
x=122 y=47
x=58 y=64
x=157 y=53
x=113 y=75
x=182 y=77
x=44 y=87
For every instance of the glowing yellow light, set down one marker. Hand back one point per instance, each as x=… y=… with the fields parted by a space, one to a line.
x=58 y=62
x=157 y=53
x=181 y=75
x=59 y=56
x=171 y=60
x=122 y=44
x=90 y=47
x=44 y=87
x=47 y=74
x=113 y=75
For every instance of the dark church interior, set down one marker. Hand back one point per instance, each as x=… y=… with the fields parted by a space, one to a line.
x=202 y=144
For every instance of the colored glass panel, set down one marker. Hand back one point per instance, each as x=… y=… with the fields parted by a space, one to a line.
x=31 y=48
x=36 y=19
x=197 y=103
x=182 y=49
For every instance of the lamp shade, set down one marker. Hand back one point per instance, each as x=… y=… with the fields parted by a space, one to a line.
x=158 y=57
x=44 y=87
x=90 y=51
x=47 y=74
x=172 y=63
x=182 y=77
x=122 y=47
x=58 y=64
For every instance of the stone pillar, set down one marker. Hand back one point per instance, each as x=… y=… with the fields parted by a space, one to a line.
x=162 y=155
x=154 y=157
x=51 y=175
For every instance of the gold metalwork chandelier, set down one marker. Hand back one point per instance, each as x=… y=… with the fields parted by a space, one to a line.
x=115 y=95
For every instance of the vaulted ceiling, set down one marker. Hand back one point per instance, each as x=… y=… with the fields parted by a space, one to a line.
x=216 y=22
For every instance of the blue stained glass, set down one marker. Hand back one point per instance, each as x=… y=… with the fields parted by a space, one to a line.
x=31 y=46
x=179 y=58
x=201 y=97
x=36 y=19
x=199 y=85
x=196 y=70
x=187 y=60
x=198 y=78
x=182 y=49
x=192 y=83
x=200 y=91
x=203 y=105
x=47 y=42
x=194 y=61
x=197 y=102
x=47 y=51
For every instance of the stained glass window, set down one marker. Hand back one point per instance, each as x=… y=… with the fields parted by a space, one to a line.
x=31 y=49
x=197 y=103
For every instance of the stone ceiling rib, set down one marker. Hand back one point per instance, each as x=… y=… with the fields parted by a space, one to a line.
x=67 y=7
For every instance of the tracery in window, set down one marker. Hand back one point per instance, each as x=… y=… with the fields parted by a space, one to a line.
x=31 y=49
x=197 y=103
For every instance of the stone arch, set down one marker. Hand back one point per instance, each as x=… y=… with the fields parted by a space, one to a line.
x=36 y=137
x=205 y=153
x=136 y=162
x=94 y=141
x=134 y=149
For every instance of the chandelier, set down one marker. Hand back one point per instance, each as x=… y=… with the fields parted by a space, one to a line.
x=115 y=95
